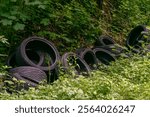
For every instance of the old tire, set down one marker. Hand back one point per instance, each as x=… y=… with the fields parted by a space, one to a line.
x=32 y=74
x=104 y=40
x=114 y=49
x=11 y=60
x=27 y=83
x=37 y=44
x=78 y=63
x=36 y=57
x=135 y=36
x=89 y=57
x=104 y=56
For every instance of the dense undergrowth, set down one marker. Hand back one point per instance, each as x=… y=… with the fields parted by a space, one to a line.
x=125 y=79
x=71 y=24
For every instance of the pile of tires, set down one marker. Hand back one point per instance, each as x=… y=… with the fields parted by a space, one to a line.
x=34 y=60
x=37 y=59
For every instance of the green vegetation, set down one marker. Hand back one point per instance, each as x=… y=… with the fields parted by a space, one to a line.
x=125 y=79
x=120 y=16
x=71 y=24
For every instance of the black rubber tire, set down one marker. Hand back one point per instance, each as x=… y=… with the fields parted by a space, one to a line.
x=83 y=67
x=89 y=57
x=135 y=36
x=143 y=50
x=79 y=50
x=104 y=56
x=32 y=74
x=38 y=44
x=36 y=56
x=114 y=48
x=104 y=40
x=48 y=60
x=27 y=83
x=11 y=60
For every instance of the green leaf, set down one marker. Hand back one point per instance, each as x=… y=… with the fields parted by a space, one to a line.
x=24 y=17
x=9 y=82
x=4 y=40
x=42 y=6
x=12 y=17
x=45 y=21
x=8 y=16
x=18 y=26
x=33 y=3
x=148 y=27
x=6 y=22
x=13 y=0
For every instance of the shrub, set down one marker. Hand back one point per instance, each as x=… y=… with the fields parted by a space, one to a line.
x=71 y=23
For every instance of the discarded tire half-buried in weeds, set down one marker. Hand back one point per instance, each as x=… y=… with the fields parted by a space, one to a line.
x=31 y=75
x=115 y=49
x=89 y=57
x=135 y=36
x=104 y=40
x=11 y=60
x=37 y=44
x=104 y=56
x=71 y=60
x=35 y=56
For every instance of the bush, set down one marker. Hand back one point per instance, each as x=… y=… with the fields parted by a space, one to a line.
x=71 y=23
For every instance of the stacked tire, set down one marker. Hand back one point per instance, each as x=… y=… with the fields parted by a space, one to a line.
x=36 y=59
